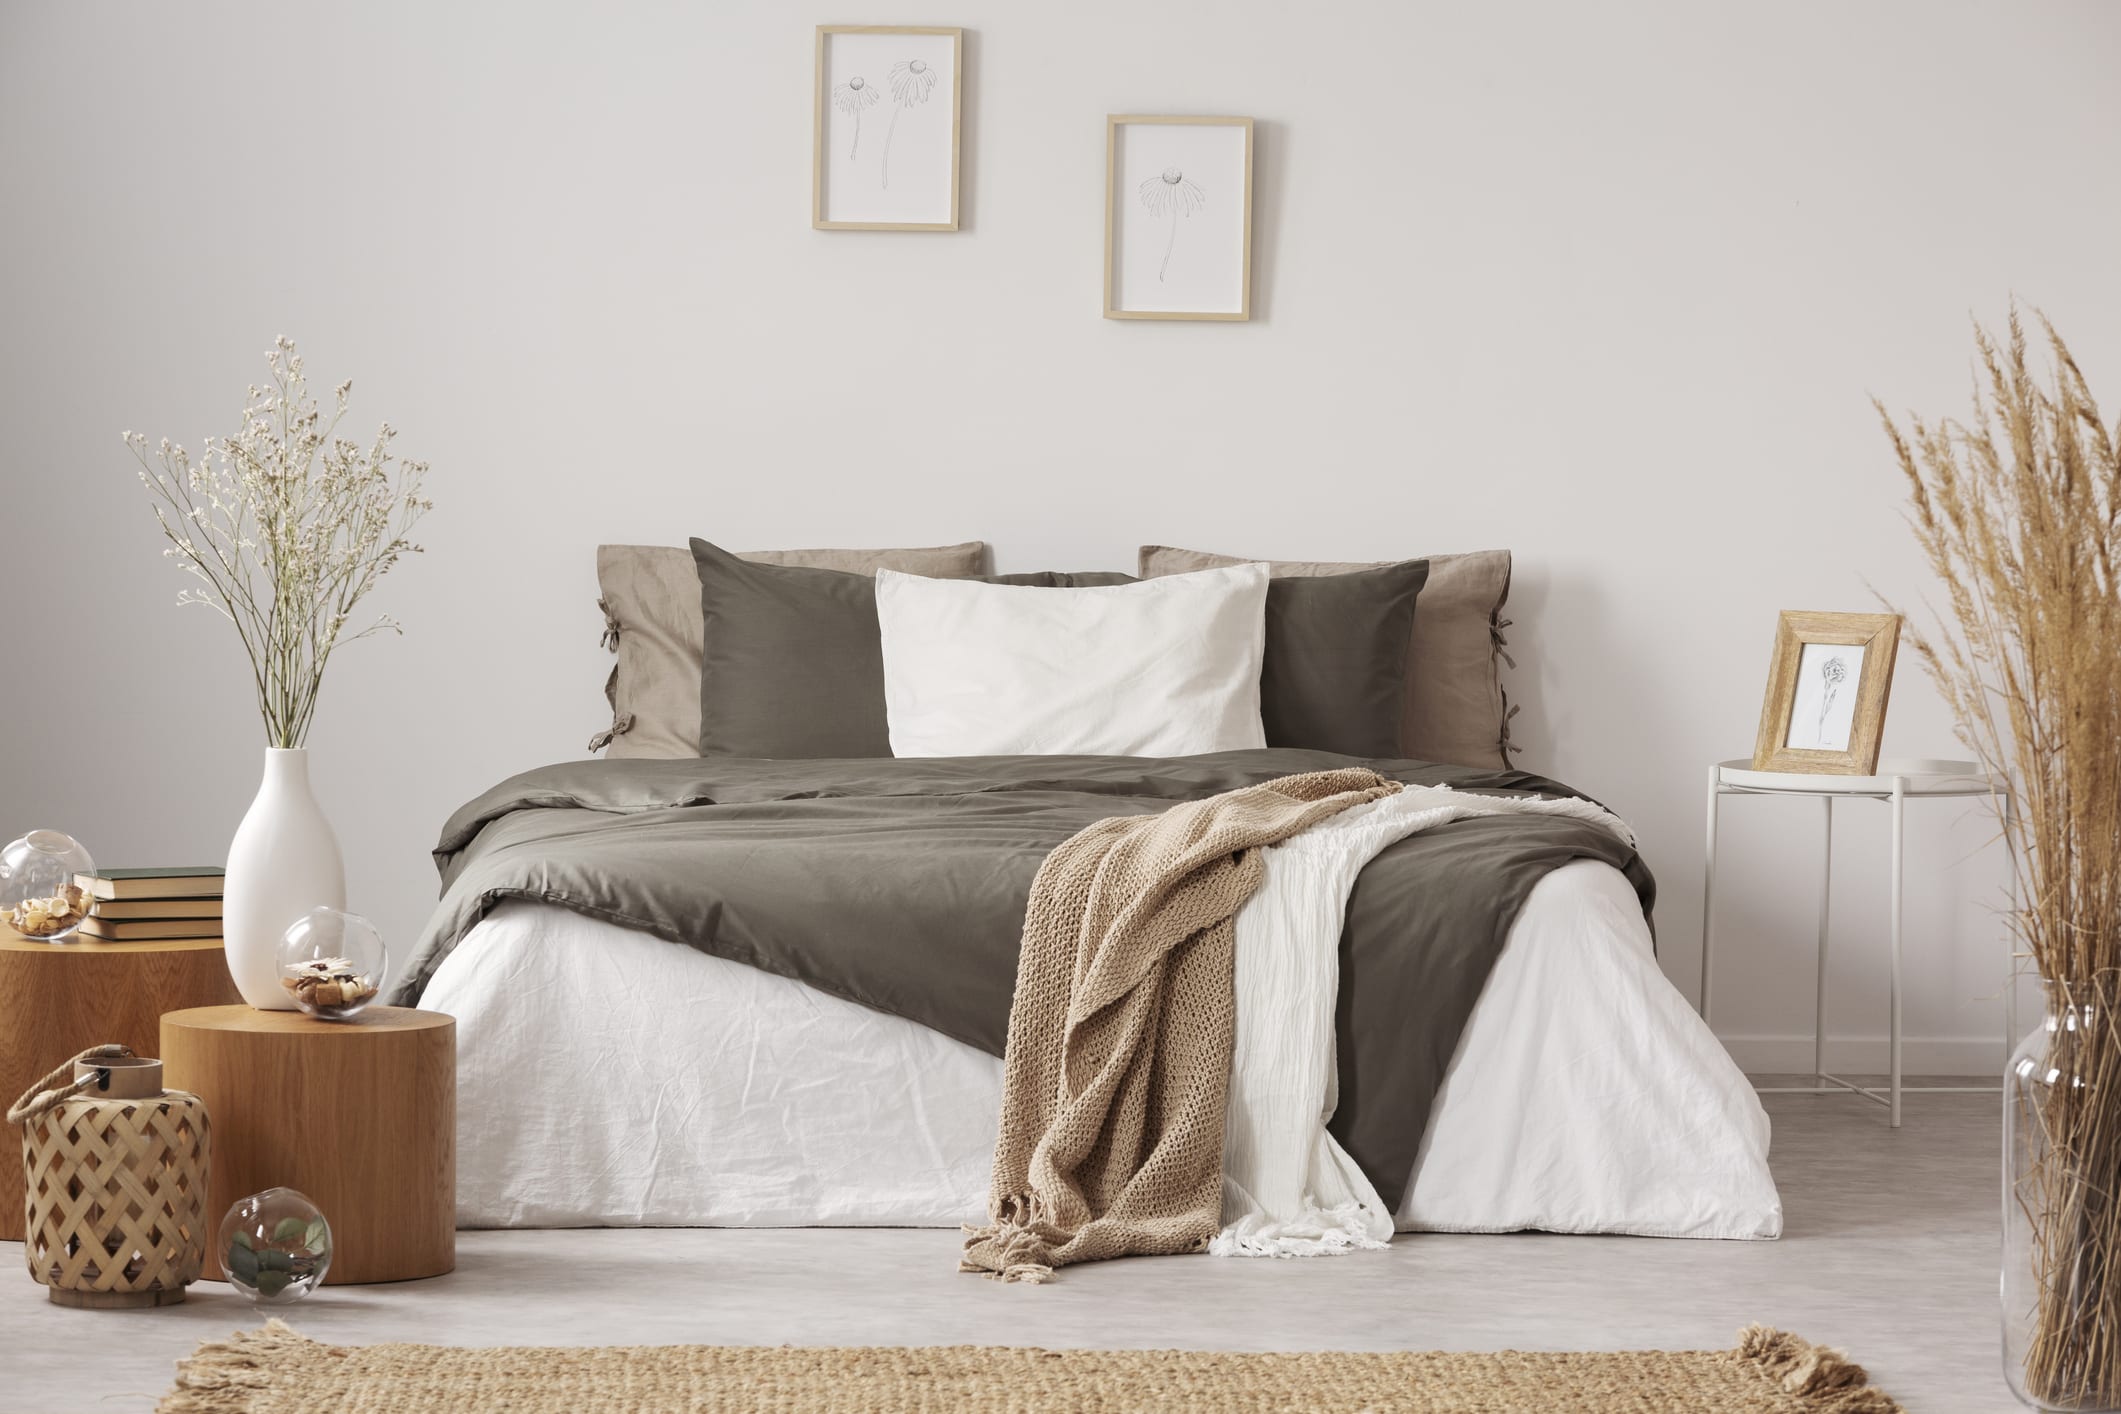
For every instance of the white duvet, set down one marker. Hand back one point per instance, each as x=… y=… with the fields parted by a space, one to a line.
x=608 y=1078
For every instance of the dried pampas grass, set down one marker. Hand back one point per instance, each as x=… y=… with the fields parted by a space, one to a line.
x=2019 y=512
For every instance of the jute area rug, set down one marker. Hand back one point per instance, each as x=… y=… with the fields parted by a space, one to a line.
x=274 y=1369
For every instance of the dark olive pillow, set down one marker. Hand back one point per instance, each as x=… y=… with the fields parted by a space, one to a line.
x=1335 y=673
x=792 y=661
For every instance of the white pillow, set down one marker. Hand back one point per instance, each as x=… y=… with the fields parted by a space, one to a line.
x=1167 y=667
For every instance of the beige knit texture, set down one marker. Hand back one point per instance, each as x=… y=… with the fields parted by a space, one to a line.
x=1120 y=1033
x=276 y=1371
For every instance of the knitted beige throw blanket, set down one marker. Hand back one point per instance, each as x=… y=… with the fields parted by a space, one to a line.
x=1117 y=1066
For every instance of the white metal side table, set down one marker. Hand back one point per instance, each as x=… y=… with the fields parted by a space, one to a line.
x=1896 y=783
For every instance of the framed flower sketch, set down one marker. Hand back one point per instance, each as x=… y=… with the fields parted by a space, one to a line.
x=1826 y=693
x=889 y=102
x=1178 y=218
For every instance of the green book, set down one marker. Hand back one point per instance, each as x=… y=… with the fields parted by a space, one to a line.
x=183 y=881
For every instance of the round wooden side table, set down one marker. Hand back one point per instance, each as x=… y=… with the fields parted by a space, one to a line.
x=359 y=1115
x=58 y=999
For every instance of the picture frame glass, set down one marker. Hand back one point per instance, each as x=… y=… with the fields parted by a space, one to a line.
x=1823 y=707
x=1179 y=196
x=887 y=136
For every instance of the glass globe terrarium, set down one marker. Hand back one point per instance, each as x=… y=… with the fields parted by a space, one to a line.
x=275 y=1246
x=38 y=896
x=333 y=963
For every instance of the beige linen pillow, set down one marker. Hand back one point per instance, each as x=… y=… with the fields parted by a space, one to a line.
x=1455 y=710
x=652 y=620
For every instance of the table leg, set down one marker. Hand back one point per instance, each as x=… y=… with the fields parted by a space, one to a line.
x=1899 y=821
x=1826 y=895
x=1708 y=890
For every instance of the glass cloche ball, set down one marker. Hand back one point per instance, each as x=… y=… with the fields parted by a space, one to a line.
x=275 y=1246
x=333 y=963
x=38 y=896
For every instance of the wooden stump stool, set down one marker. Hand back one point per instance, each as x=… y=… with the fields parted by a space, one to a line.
x=58 y=999
x=359 y=1115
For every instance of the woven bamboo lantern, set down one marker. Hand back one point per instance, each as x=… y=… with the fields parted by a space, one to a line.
x=115 y=1168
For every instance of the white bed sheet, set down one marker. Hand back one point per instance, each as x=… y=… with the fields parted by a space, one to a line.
x=608 y=1078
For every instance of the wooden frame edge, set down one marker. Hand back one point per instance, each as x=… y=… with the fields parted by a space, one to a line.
x=957 y=131
x=1113 y=123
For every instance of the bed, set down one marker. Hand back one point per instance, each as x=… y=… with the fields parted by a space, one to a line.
x=1512 y=1056
x=758 y=965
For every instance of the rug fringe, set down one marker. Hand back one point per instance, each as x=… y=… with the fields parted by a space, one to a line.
x=1825 y=1379
x=229 y=1376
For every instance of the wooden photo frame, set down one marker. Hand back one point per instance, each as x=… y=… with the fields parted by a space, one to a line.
x=1827 y=688
x=1178 y=217
x=890 y=109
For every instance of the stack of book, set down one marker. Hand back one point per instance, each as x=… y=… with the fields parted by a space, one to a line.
x=128 y=905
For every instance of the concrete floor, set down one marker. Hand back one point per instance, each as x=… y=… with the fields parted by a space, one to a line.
x=1890 y=1251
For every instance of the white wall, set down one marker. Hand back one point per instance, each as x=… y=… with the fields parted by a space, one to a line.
x=1607 y=284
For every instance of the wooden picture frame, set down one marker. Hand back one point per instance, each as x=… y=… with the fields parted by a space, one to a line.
x=896 y=92
x=1823 y=713
x=1182 y=204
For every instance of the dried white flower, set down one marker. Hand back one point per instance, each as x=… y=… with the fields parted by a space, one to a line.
x=288 y=527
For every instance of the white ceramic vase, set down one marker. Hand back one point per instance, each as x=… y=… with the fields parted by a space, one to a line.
x=283 y=862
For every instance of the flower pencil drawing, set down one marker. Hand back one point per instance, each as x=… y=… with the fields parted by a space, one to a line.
x=1835 y=671
x=1171 y=193
x=912 y=80
x=851 y=98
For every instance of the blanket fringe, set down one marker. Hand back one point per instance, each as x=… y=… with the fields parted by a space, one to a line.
x=1018 y=1247
x=233 y=1376
x=1316 y=1232
x=1825 y=1379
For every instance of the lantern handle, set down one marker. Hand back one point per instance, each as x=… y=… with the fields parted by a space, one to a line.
x=43 y=1096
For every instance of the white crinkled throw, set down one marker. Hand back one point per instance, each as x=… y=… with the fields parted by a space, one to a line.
x=1289 y=1189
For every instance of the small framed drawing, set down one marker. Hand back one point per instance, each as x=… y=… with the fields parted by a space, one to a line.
x=889 y=102
x=1178 y=218
x=1826 y=692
